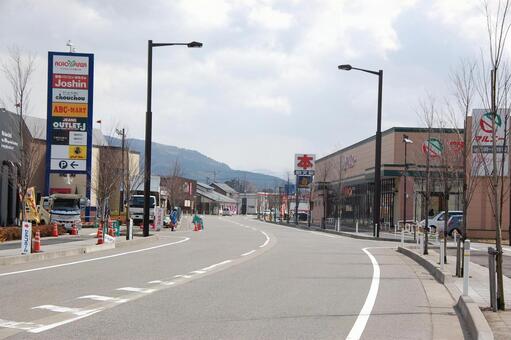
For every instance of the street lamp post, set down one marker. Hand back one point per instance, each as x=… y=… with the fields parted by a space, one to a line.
x=407 y=141
x=148 y=125
x=377 y=156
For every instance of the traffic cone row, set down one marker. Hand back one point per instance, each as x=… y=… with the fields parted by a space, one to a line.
x=74 y=230
x=37 y=242
x=55 y=230
x=111 y=231
x=100 y=228
x=100 y=234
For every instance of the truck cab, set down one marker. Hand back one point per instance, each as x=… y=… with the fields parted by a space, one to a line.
x=137 y=208
x=63 y=209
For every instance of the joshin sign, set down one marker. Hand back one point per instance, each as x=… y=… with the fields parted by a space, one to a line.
x=482 y=142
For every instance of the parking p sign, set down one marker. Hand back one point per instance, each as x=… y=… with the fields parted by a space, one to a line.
x=26 y=238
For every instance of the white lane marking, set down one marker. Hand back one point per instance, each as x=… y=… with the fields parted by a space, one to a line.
x=60 y=309
x=267 y=240
x=94 y=259
x=198 y=272
x=216 y=265
x=365 y=313
x=168 y=283
x=56 y=324
x=92 y=234
x=25 y=326
x=155 y=281
x=103 y=298
x=137 y=290
x=248 y=253
x=183 y=276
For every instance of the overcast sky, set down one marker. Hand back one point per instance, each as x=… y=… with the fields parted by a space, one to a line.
x=265 y=85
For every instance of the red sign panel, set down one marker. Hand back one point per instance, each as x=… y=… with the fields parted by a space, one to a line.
x=70 y=81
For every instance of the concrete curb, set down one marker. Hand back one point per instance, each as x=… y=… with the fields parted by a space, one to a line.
x=340 y=233
x=18 y=259
x=469 y=312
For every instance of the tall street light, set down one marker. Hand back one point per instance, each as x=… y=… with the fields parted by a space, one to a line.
x=377 y=156
x=407 y=141
x=148 y=124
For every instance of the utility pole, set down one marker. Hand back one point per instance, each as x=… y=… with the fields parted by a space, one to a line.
x=297 y=202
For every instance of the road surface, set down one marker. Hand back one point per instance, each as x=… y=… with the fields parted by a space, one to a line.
x=237 y=279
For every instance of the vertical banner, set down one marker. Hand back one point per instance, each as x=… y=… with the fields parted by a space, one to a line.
x=69 y=115
x=26 y=238
x=158 y=218
x=482 y=142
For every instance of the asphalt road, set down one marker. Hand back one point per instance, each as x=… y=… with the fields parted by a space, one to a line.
x=479 y=255
x=237 y=279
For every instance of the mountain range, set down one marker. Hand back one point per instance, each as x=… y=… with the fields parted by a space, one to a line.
x=195 y=165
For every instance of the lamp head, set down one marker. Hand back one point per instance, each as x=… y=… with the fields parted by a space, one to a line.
x=407 y=140
x=194 y=44
x=345 y=67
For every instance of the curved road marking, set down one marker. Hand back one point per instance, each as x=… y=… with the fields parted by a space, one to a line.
x=267 y=239
x=248 y=253
x=365 y=313
x=94 y=259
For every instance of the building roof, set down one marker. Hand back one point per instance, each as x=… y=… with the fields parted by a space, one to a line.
x=37 y=127
x=225 y=188
x=204 y=186
x=215 y=196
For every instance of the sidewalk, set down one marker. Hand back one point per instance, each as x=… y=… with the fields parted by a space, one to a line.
x=83 y=243
x=479 y=292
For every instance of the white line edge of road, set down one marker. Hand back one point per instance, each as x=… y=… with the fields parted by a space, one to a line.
x=94 y=259
x=365 y=312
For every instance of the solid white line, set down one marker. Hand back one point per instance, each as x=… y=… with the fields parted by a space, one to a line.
x=365 y=313
x=94 y=259
x=248 y=253
x=137 y=290
x=155 y=281
x=56 y=324
x=184 y=276
x=92 y=234
x=103 y=298
x=25 y=326
x=216 y=265
x=60 y=309
x=198 y=272
x=168 y=283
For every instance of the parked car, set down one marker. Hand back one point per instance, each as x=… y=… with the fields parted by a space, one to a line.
x=454 y=224
x=226 y=212
x=436 y=223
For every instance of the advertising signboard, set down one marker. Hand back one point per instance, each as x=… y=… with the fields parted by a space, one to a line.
x=482 y=142
x=158 y=218
x=70 y=115
x=305 y=164
x=304 y=181
x=26 y=238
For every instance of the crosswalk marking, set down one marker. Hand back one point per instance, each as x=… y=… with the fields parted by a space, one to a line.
x=25 y=326
x=61 y=309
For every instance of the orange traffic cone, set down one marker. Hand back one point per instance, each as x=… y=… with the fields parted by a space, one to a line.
x=55 y=230
x=111 y=231
x=99 y=227
x=100 y=235
x=74 y=230
x=195 y=227
x=37 y=242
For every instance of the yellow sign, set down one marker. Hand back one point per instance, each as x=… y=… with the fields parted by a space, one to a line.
x=69 y=110
x=77 y=152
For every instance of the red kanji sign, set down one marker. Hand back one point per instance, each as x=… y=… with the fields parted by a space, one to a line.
x=305 y=162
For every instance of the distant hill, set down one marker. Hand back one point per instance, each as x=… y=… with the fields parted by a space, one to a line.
x=195 y=165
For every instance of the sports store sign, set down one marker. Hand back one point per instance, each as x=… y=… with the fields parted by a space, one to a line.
x=69 y=129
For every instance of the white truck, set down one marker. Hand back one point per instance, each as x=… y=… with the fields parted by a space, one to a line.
x=137 y=208
x=63 y=209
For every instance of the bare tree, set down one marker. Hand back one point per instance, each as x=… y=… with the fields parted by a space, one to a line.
x=321 y=176
x=133 y=177
x=18 y=70
x=497 y=25
x=173 y=183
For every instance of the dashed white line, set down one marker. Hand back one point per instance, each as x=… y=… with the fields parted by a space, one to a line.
x=137 y=290
x=103 y=298
x=248 y=253
x=216 y=265
x=198 y=272
x=183 y=276
x=155 y=281
x=94 y=259
x=365 y=313
x=61 y=309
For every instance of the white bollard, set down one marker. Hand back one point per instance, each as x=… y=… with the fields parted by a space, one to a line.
x=442 y=256
x=402 y=238
x=466 y=256
x=455 y=234
x=338 y=224
x=356 y=226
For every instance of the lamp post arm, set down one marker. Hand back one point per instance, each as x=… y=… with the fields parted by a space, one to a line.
x=168 y=44
x=367 y=71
